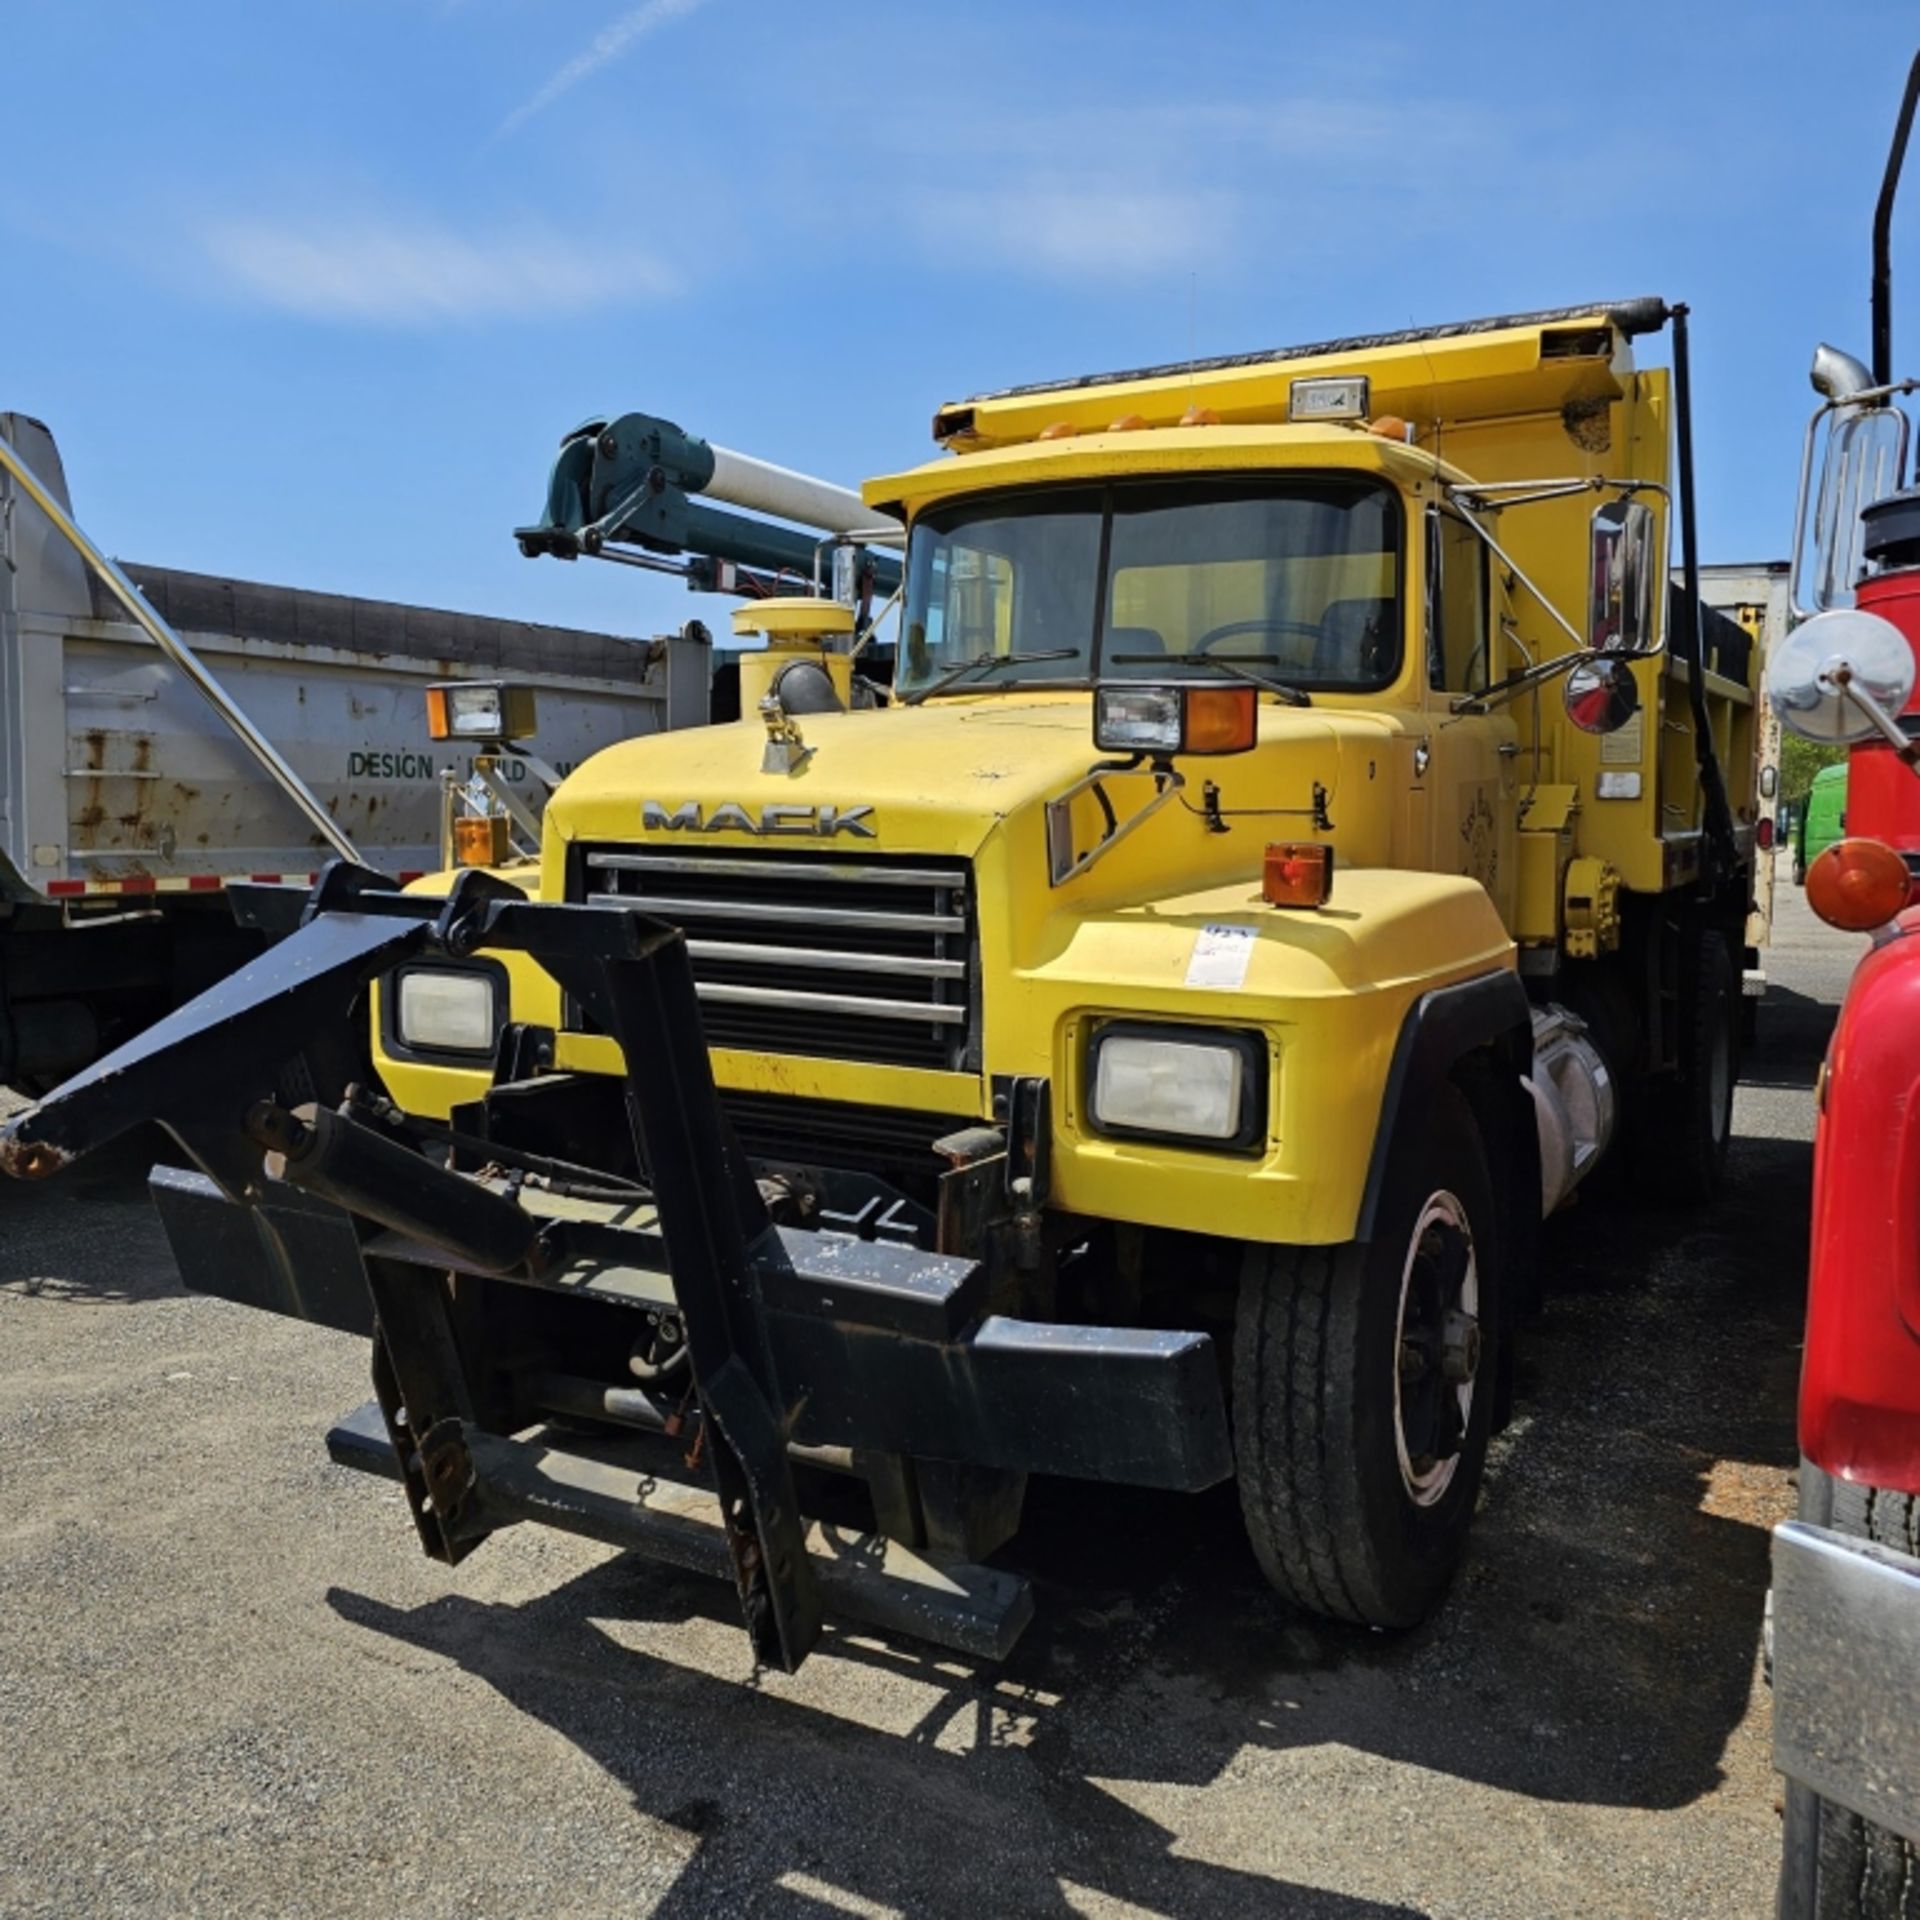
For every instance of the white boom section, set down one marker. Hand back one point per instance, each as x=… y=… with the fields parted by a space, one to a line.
x=761 y=487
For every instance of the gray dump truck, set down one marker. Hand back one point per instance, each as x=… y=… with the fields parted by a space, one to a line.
x=130 y=795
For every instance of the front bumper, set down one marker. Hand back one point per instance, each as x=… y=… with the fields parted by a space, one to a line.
x=876 y=1348
x=1846 y=1672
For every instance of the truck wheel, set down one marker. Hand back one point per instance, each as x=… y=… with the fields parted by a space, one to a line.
x=1363 y=1386
x=1686 y=1119
x=1833 y=1864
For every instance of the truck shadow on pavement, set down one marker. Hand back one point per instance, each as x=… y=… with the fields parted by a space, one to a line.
x=1600 y=1648
x=984 y=1805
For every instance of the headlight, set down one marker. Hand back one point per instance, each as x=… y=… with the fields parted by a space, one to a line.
x=443 y=1010
x=1178 y=1083
x=480 y=710
x=1137 y=719
x=1175 y=719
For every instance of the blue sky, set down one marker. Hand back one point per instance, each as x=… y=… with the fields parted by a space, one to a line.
x=309 y=292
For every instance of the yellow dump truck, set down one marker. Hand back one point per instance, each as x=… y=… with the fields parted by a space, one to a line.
x=1299 y=841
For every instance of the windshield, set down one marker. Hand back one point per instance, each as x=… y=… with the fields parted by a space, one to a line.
x=1300 y=579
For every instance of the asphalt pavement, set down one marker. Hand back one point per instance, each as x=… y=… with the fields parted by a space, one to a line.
x=230 y=1683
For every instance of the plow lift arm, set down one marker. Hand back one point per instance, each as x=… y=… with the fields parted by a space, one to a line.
x=501 y=1288
x=636 y=489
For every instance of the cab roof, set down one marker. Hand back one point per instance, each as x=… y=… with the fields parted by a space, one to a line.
x=1170 y=451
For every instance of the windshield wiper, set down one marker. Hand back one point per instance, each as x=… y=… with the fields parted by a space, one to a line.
x=1234 y=665
x=984 y=663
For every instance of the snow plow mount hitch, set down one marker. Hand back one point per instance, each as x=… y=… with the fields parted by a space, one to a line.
x=494 y=1297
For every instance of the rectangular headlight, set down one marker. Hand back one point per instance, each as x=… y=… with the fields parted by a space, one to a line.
x=480 y=710
x=441 y=1010
x=1175 y=719
x=1170 y=1082
x=1137 y=719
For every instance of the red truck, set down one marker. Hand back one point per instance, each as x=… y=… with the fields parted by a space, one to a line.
x=1846 y=1573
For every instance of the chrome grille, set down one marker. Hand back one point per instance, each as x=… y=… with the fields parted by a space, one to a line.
x=809 y=953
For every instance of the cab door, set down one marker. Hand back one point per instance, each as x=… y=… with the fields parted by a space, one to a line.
x=1472 y=773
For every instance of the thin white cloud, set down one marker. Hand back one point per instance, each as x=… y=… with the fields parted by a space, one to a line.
x=1128 y=193
x=1105 y=230
x=382 y=270
x=608 y=45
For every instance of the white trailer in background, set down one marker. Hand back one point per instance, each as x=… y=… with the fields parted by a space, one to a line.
x=1755 y=594
x=128 y=798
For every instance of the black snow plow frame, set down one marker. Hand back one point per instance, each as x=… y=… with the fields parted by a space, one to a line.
x=799 y=1343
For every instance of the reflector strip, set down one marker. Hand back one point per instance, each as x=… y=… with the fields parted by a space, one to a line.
x=177 y=883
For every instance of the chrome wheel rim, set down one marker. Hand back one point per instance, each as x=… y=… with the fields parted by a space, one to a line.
x=1436 y=1360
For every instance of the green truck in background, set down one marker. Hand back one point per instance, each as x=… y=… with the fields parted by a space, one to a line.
x=1821 y=820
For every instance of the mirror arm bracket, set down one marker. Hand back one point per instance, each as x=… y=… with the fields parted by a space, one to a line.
x=1495 y=496
x=1842 y=676
x=1518 y=683
x=1520 y=574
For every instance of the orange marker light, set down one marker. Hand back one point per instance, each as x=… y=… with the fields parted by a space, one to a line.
x=1128 y=423
x=1060 y=430
x=1199 y=416
x=480 y=840
x=1857 y=885
x=438 y=726
x=1221 y=719
x=1299 y=873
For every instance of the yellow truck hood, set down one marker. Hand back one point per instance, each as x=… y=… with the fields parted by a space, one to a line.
x=933 y=779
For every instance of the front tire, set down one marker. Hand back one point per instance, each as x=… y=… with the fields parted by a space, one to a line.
x=1364 y=1385
x=1833 y=1864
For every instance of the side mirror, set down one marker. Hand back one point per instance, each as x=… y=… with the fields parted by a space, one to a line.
x=1828 y=677
x=1621 y=572
x=1862 y=460
x=1601 y=695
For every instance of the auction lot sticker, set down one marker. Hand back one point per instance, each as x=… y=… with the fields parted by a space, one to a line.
x=1220 y=956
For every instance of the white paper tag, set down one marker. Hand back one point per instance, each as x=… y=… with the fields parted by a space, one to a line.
x=1220 y=957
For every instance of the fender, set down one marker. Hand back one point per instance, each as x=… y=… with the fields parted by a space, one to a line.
x=1860 y=1374
x=1440 y=1029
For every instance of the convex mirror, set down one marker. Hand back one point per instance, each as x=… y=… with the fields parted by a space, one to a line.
x=1805 y=678
x=1601 y=695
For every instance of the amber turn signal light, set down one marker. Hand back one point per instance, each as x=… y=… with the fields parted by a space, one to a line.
x=438 y=726
x=480 y=840
x=1221 y=719
x=1298 y=873
x=1857 y=885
